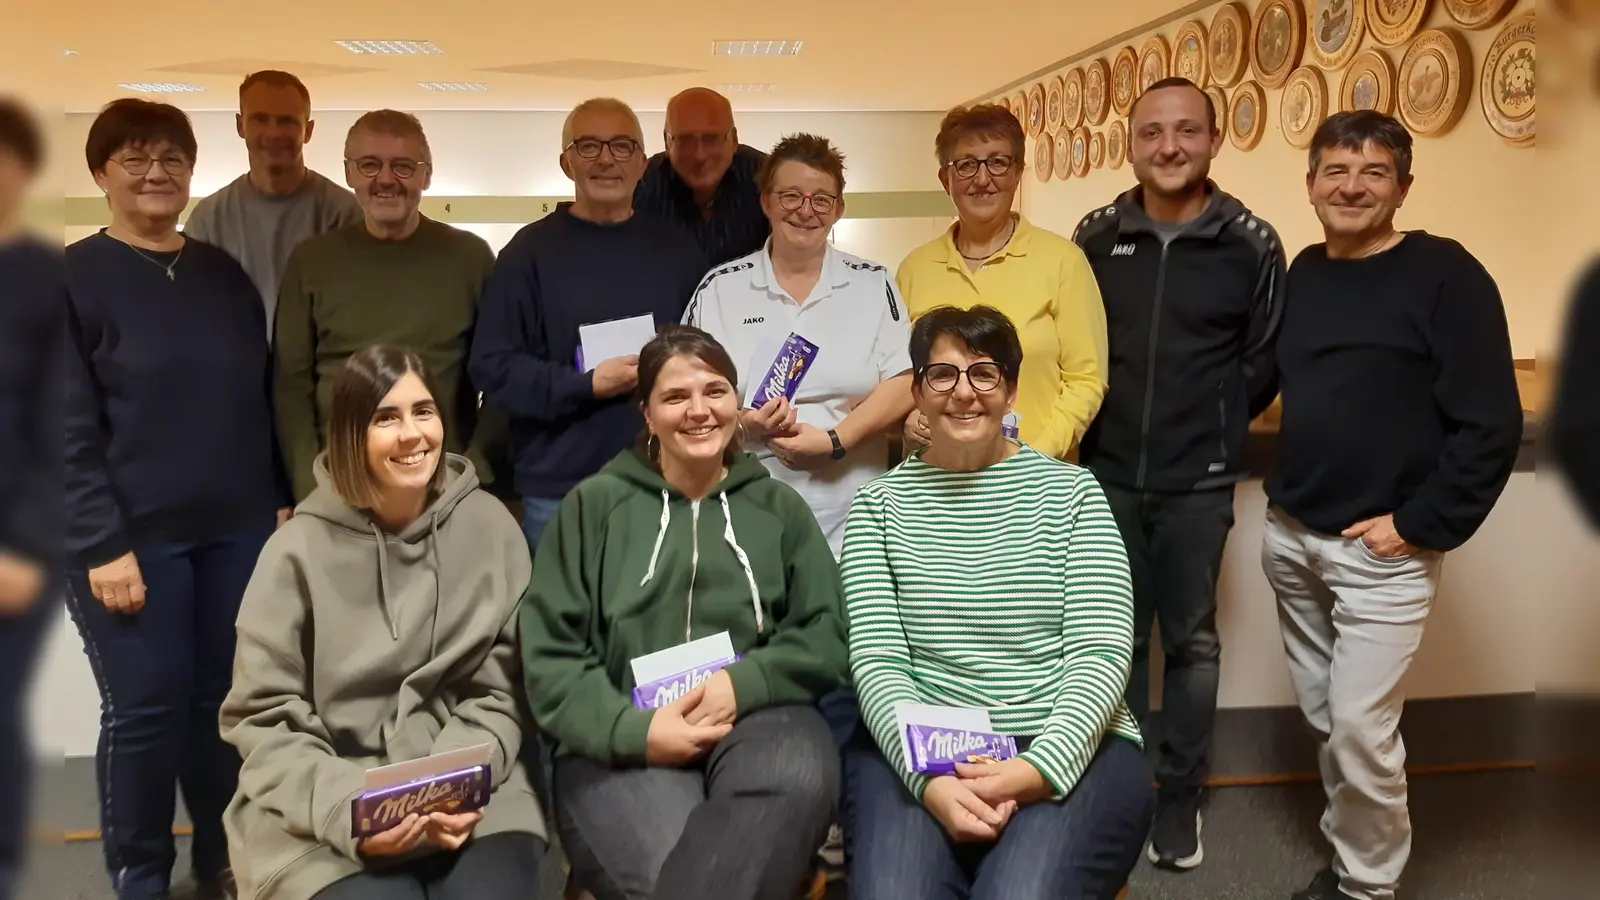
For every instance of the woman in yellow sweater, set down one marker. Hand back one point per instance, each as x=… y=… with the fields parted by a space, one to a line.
x=1039 y=279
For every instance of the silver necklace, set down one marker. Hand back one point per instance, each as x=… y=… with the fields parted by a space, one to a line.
x=169 y=267
x=1009 y=236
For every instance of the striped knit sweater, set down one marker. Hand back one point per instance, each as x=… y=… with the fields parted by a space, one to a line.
x=1005 y=589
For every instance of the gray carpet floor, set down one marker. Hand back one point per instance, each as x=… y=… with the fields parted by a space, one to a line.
x=1474 y=840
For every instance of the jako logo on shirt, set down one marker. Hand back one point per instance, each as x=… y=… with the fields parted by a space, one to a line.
x=1122 y=250
x=755 y=320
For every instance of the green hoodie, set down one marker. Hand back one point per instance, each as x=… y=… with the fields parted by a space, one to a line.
x=630 y=566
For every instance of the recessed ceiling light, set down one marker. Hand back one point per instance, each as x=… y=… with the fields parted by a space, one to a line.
x=746 y=88
x=69 y=53
x=756 y=48
x=391 y=48
x=161 y=87
x=453 y=86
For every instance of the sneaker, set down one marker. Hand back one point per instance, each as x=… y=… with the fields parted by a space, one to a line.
x=1175 y=837
x=832 y=853
x=1324 y=886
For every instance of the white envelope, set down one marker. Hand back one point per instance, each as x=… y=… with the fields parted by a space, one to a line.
x=427 y=767
x=675 y=660
x=959 y=717
x=601 y=341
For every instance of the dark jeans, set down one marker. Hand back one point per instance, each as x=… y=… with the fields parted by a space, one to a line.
x=163 y=672
x=501 y=866
x=21 y=638
x=1174 y=544
x=1081 y=848
x=537 y=512
x=744 y=825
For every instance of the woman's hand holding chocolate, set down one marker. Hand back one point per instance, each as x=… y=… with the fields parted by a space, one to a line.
x=672 y=741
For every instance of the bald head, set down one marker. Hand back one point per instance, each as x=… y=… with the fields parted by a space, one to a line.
x=701 y=138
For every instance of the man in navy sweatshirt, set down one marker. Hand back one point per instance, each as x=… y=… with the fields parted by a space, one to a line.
x=33 y=287
x=1401 y=423
x=589 y=261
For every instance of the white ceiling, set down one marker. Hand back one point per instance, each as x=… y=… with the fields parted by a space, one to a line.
x=857 y=55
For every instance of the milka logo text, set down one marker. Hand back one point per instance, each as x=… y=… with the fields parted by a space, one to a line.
x=955 y=744
x=786 y=368
x=672 y=691
x=396 y=808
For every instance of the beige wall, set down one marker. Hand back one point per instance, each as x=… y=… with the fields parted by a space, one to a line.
x=1470 y=186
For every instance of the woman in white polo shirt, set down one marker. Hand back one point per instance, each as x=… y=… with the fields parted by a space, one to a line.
x=833 y=437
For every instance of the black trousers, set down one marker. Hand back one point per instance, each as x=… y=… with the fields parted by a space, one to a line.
x=502 y=866
x=1175 y=543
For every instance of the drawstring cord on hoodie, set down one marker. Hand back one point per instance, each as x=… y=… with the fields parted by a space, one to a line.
x=383 y=580
x=728 y=536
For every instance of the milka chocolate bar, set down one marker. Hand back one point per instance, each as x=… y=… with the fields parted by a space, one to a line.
x=671 y=689
x=935 y=751
x=783 y=379
x=377 y=811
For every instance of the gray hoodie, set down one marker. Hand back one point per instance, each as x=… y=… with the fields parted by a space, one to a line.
x=359 y=648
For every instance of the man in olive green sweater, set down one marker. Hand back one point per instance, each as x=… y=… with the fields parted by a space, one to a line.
x=397 y=278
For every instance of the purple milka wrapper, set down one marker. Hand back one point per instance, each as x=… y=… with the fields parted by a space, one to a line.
x=783 y=378
x=935 y=751
x=375 y=812
x=669 y=690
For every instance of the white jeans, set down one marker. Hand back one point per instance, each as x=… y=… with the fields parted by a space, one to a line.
x=1351 y=622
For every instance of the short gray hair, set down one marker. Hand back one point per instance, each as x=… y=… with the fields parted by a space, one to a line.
x=391 y=122
x=601 y=105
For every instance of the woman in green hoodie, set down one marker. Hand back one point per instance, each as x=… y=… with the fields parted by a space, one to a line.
x=728 y=790
x=379 y=627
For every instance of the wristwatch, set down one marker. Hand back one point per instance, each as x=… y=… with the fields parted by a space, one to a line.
x=838 y=447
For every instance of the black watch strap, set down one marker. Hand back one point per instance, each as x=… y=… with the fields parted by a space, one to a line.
x=838 y=447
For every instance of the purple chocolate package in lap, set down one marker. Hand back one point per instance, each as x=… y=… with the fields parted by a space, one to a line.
x=783 y=378
x=935 y=751
x=377 y=811
x=671 y=689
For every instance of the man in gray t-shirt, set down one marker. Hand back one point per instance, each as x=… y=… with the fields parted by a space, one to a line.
x=265 y=213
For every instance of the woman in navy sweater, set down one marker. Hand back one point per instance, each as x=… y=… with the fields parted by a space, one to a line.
x=173 y=485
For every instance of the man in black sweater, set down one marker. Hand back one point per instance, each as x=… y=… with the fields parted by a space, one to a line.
x=1401 y=423
x=1575 y=414
x=33 y=286
x=1193 y=285
x=589 y=261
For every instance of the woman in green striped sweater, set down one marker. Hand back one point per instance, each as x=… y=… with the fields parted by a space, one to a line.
x=983 y=574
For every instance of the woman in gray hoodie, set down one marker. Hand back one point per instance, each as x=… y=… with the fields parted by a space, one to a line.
x=380 y=626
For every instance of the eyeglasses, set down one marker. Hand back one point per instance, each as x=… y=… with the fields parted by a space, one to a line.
x=622 y=148
x=821 y=204
x=372 y=167
x=967 y=166
x=943 y=377
x=134 y=164
x=703 y=141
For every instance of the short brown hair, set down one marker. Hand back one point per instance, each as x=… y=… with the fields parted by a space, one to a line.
x=20 y=134
x=276 y=78
x=132 y=122
x=808 y=149
x=368 y=376
x=1352 y=130
x=391 y=122
x=984 y=120
x=671 y=342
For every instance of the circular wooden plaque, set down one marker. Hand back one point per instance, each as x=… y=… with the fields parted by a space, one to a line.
x=1506 y=91
x=1335 y=31
x=1190 y=53
x=1096 y=91
x=1072 y=100
x=1277 y=40
x=1097 y=150
x=1124 y=80
x=1080 y=151
x=1116 y=144
x=1433 y=83
x=1228 y=44
x=1247 y=115
x=1478 y=13
x=1062 y=151
x=1219 y=104
x=1394 y=22
x=1368 y=83
x=1155 y=62
x=1035 y=119
x=1302 y=106
x=1019 y=108
x=1052 y=105
x=1043 y=162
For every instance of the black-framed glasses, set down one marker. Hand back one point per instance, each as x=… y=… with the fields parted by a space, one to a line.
x=135 y=164
x=702 y=140
x=622 y=148
x=821 y=204
x=967 y=166
x=372 y=167
x=943 y=377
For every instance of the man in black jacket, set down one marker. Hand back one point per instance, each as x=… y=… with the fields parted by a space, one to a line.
x=1401 y=423
x=1192 y=284
x=1575 y=415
